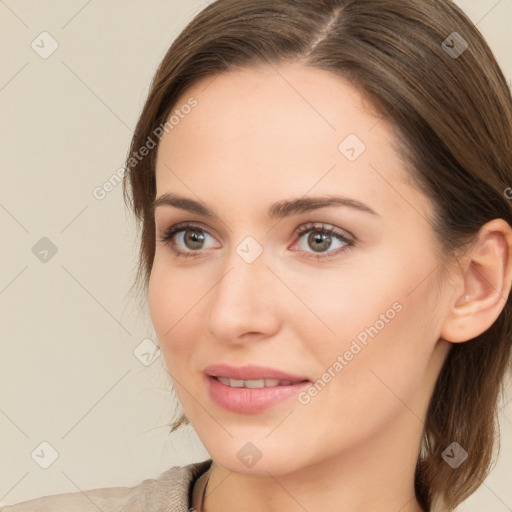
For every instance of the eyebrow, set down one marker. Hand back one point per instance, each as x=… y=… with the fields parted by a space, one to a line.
x=281 y=209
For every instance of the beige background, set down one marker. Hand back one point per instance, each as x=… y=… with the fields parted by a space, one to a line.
x=70 y=334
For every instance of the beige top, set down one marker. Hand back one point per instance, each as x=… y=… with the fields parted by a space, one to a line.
x=171 y=491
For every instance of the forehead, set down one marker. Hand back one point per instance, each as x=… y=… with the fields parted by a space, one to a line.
x=277 y=131
x=291 y=102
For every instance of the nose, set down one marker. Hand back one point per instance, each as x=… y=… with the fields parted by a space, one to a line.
x=244 y=302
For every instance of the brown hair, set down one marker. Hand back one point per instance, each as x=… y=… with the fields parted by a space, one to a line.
x=453 y=117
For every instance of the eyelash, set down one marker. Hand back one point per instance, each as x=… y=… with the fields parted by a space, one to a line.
x=320 y=228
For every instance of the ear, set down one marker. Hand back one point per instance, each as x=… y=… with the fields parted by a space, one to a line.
x=483 y=286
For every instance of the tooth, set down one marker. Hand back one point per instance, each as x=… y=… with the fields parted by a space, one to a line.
x=255 y=383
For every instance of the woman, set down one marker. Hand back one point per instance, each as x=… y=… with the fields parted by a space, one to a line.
x=362 y=374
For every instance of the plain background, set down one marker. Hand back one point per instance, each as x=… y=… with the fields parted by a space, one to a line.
x=70 y=332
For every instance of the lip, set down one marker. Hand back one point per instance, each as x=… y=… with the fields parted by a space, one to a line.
x=251 y=400
x=250 y=372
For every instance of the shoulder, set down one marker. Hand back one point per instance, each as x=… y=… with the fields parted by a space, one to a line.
x=169 y=491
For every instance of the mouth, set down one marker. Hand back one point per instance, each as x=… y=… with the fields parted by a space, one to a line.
x=251 y=389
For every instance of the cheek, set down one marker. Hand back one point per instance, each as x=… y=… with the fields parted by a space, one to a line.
x=369 y=290
x=166 y=306
x=380 y=319
x=174 y=300
x=344 y=303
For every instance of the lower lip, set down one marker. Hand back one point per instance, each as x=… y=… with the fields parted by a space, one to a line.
x=251 y=400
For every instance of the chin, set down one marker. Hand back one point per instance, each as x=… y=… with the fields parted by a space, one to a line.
x=258 y=458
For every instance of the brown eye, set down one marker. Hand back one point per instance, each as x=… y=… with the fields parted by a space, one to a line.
x=186 y=239
x=193 y=239
x=321 y=239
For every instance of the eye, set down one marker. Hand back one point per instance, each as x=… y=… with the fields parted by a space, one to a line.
x=191 y=235
x=321 y=238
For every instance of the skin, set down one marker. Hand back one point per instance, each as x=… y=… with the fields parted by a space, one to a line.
x=259 y=136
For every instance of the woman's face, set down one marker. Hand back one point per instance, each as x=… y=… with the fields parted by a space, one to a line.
x=276 y=279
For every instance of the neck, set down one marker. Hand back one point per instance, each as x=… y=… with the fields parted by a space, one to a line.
x=375 y=475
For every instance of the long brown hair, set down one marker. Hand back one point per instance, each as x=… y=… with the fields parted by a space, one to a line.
x=425 y=67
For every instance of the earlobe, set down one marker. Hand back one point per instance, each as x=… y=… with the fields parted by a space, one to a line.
x=485 y=283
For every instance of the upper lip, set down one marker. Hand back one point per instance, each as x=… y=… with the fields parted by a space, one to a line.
x=250 y=372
